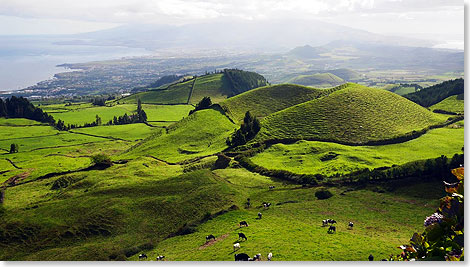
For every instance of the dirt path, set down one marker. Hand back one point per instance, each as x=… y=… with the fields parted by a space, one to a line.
x=212 y=242
x=191 y=91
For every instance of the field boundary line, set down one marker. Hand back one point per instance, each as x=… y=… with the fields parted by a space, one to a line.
x=99 y=136
x=13 y=164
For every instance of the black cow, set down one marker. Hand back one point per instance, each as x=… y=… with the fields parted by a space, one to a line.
x=142 y=256
x=160 y=258
x=351 y=224
x=371 y=258
x=332 y=229
x=241 y=257
x=259 y=215
x=271 y=187
x=243 y=223
x=242 y=236
x=331 y=221
x=209 y=237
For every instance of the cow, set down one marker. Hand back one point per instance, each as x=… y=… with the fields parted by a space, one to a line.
x=371 y=258
x=257 y=257
x=270 y=256
x=332 y=229
x=331 y=221
x=324 y=222
x=236 y=246
x=266 y=205
x=350 y=225
x=242 y=236
x=142 y=256
x=271 y=187
x=243 y=223
x=209 y=237
x=241 y=257
x=160 y=258
x=259 y=215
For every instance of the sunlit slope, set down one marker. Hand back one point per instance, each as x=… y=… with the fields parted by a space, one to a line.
x=200 y=134
x=323 y=80
x=355 y=114
x=266 y=100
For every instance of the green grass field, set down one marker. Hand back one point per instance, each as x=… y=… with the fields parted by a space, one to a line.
x=311 y=157
x=356 y=114
x=451 y=104
x=88 y=114
x=203 y=133
x=175 y=94
x=266 y=100
x=17 y=122
x=209 y=85
x=131 y=132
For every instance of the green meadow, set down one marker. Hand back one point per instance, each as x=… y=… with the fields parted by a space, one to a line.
x=311 y=157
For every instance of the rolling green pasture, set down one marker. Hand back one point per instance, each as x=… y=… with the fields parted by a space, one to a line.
x=311 y=157
x=318 y=80
x=453 y=103
x=355 y=114
x=9 y=133
x=175 y=94
x=129 y=132
x=293 y=231
x=203 y=133
x=209 y=85
x=88 y=115
x=171 y=113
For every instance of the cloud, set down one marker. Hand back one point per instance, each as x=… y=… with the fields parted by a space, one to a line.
x=174 y=11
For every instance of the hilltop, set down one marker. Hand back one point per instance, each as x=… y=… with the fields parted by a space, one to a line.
x=266 y=100
x=217 y=86
x=322 y=80
x=452 y=104
x=355 y=115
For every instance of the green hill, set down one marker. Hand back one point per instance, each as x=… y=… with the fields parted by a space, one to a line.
x=346 y=74
x=266 y=100
x=355 y=114
x=322 y=80
x=218 y=87
x=454 y=104
x=434 y=94
x=200 y=134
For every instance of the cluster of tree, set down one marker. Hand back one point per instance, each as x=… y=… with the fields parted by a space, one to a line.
x=99 y=101
x=434 y=94
x=139 y=116
x=205 y=103
x=249 y=128
x=241 y=81
x=20 y=107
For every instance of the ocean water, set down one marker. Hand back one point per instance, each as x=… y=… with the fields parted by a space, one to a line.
x=25 y=61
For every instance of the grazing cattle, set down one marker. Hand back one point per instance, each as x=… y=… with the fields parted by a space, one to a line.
x=242 y=236
x=271 y=187
x=257 y=257
x=236 y=246
x=160 y=258
x=350 y=225
x=325 y=222
x=259 y=215
x=243 y=223
x=266 y=205
x=241 y=257
x=209 y=237
x=331 y=221
x=332 y=229
x=142 y=256
x=270 y=256
x=371 y=258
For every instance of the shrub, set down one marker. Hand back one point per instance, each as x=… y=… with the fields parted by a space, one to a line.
x=222 y=161
x=323 y=193
x=101 y=161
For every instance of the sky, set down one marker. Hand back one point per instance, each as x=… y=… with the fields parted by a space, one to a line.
x=429 y=19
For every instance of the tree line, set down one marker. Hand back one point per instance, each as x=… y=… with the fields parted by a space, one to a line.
x=241 y=81
x=434 y=94
x=20 y=107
